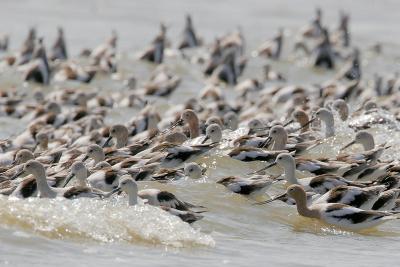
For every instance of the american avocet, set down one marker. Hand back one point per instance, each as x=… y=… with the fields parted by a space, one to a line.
x=387 y=200
x=272 y=48
x=231 y=121
x=26 y=188
x=213 y=133
x=105 y=49
x=38 y=70
x=166 y=175
x=78 y=170
x=130 y=187
x=180 y=154
x=162 y=82
x=228 y=70
x=190 y=118
x=153 y=197
x=342 y=108
x=319 y=184
x=146 y=121
x=73 y=72
x=320 y=166
x=120 y=133
x=270 y=75
x=25 y=54
x=343 y=33
x=189 y=39
x=314 y=29
x=45 y=191
x=156 y=197
x=279 y=139
x=59 y=48
x=185 y=215
x=336 y=214
x=105 y=179
x=363 y=198
x=94 y=152
x=24 y=155
x=323 y=53
x=193 y=170
x=253 y=186
x=176 y=138
x=352 y=70
x=155 y=52
x=363 y=138
x=247 y=154
x=326 y=116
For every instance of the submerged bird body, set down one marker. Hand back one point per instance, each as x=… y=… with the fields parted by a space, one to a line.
x=336 y=214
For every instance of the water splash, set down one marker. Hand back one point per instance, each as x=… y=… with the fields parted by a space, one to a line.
x=101 y=221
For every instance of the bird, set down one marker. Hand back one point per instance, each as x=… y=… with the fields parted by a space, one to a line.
x=252 y=186
x=130 y=187
x=45 y=191
x=336 y=214
x=319 y=184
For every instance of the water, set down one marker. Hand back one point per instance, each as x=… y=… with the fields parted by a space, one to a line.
x=40 y=232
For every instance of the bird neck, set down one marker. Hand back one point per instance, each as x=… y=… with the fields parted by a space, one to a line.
x=278 y=48
x=290 y=174
x=43 y=187
x=304 y=121
x=280 y=142
x=133 y=198
x=344 y=113
x=368 y=144
x=99 y=157
x=122 y=141
x=44 y=145
x=81 y=178
x=194 y=129
x=329 y=127
x=304 y=210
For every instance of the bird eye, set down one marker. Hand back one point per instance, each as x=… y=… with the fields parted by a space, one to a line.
x=279 y=158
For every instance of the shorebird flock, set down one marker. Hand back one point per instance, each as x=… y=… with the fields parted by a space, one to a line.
x=67 y=150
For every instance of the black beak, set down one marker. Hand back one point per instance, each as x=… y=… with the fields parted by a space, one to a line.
x=34 y=148
x=263 y=169
x=68 y=178
x=114 y=191
x=85 y=158
x=177 y=123
x=306 y=124
x=348 y=145
x=107 y=141
x=278 y=197
x=206 y=138
x=17 y=174
x=267 y=142
x=288 y=123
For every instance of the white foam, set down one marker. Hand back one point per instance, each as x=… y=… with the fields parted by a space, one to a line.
x=102 y=221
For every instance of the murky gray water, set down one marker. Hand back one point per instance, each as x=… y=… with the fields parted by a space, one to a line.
x=234 y=233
